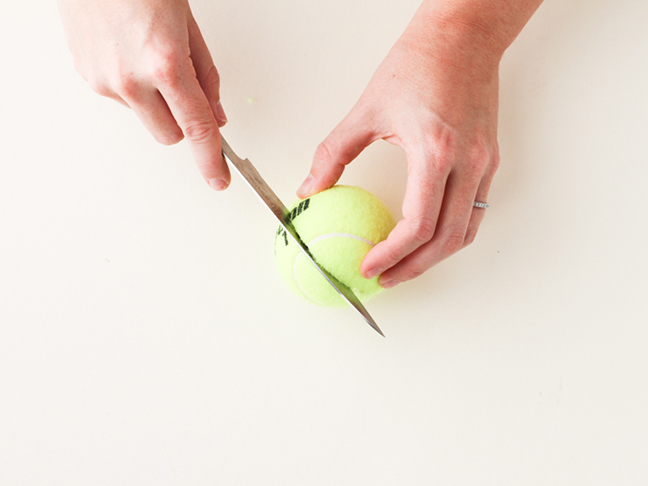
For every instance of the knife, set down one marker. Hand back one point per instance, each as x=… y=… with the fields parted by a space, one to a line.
x=249 y=173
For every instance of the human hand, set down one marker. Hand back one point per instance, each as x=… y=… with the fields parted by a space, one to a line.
x=150 y=56
x=437 y=99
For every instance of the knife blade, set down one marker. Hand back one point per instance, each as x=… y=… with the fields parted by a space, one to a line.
x=251 y=175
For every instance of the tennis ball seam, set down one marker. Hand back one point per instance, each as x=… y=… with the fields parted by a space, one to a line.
x=344 y=210
x=316 y=240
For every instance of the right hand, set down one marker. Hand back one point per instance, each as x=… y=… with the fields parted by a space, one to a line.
x=149 y=55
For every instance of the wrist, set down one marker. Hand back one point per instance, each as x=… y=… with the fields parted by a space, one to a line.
x=473 y=31
x=454 y=42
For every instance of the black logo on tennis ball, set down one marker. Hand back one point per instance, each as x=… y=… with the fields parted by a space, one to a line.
x=297 y=210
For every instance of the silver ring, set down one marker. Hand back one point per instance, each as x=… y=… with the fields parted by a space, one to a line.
x=481 y=205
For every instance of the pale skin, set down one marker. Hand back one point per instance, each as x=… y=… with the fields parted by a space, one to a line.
x=435 y=95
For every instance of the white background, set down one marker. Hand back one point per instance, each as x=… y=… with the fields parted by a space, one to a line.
x=146 y=338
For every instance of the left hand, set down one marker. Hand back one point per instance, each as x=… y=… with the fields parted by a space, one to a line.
x=436 y=98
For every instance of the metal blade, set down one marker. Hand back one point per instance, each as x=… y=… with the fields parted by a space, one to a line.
x=249 y=173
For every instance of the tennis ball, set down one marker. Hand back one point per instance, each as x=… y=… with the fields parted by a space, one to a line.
x=339 y=226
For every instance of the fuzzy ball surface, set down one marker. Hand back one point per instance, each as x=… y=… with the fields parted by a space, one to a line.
x=339 y=226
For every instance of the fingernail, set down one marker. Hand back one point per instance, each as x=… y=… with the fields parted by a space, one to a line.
x=218 y=184
x=221 y=117
x=389 y=284
x=374 y=272
x=306 y=185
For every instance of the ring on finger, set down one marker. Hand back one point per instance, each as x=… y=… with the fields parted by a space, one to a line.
x=481 y=205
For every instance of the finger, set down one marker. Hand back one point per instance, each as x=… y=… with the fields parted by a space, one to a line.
x=482 y=196
x=343 y=144
x=424 y=194
x=105 y=89
x=147 y=104
x=206 y=72
x=153 y=112
x=449 y=236
x=119 y=100
x=476 y=219
x=191 y=110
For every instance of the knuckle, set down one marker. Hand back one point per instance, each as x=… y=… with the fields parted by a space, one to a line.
x=170 y=138
x=393 y=256
x=80 y=68
x=469 y=239
x=200 y=130
x=412 y=272
x=495 y=160
x=324 y=152
x=479 y=158
x=441 y=149
x=165 y=68
x=422 y=229
x=99 y=87
x=482 y=157
x=212 y=78
x=125 y=85
x=452 y=243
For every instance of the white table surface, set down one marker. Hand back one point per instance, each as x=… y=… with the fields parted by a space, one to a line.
x=146 y=338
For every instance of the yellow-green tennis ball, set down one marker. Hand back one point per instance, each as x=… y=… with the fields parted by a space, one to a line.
x=339 y=226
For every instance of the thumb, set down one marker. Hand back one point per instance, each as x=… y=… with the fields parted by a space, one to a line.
x=344 y=143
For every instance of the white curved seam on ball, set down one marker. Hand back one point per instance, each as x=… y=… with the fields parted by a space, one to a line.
x=325 y=236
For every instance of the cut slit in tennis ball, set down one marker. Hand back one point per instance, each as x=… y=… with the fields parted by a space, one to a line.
x=339 y=226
